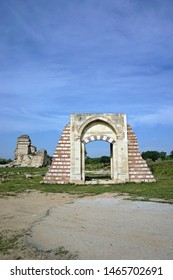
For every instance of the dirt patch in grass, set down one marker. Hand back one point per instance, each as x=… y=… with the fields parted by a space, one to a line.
x=17 y=214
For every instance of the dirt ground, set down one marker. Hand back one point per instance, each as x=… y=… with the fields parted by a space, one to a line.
x=37 y=225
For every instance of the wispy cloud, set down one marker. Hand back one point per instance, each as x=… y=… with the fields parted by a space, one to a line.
x=30 y=121
x=162 y=115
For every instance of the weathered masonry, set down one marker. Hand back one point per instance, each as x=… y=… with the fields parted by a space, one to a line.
x=26 y=155
x=68 y=164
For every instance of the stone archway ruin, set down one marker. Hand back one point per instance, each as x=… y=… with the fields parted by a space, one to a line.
x=68 y=164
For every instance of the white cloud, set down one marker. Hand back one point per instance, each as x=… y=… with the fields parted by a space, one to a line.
x=158 y=116
x=30 y=121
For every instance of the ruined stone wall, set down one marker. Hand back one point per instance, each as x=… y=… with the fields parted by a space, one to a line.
x=40 y=158
x=23 y=147
x=26 y=155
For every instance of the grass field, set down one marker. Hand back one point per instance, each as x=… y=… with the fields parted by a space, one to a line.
x=13 y=180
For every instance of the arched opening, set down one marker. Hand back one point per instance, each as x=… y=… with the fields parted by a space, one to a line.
x=98 y=157
x=98 y=131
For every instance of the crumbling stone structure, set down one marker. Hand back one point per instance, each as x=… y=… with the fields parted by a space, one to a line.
x=68 y=163
x=26 y=155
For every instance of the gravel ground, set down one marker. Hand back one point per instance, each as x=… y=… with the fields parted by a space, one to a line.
x=61 y=226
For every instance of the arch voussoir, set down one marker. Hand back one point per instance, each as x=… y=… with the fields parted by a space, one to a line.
x=97 y=138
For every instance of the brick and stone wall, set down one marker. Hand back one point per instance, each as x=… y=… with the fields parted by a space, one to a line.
x=66 y=164
x=59 y=171
x=138 y=168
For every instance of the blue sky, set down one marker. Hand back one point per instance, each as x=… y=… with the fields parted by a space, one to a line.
x=59 y=57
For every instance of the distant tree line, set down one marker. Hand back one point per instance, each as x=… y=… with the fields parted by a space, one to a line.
x=103 y=160
x=148 y=155
x=5 y=161
x=155 y=155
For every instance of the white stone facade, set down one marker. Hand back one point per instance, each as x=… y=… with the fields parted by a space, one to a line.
x=90 y=127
